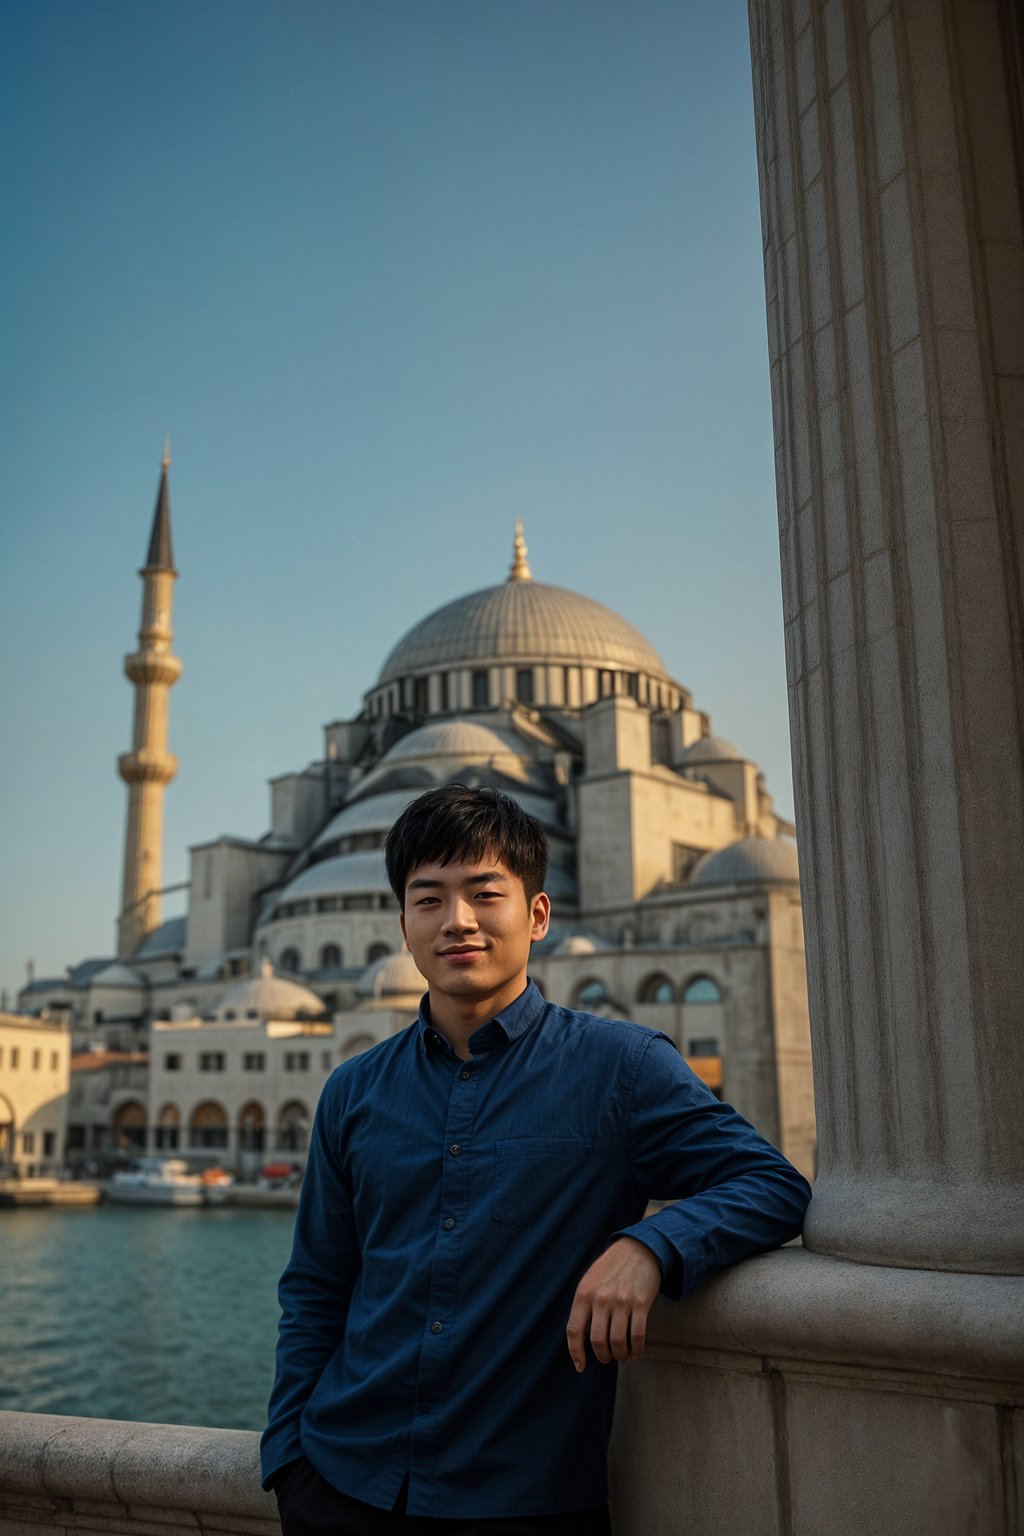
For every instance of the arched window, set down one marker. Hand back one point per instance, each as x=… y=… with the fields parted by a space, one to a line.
x=330 y=957
x=293 y=1127
x=130 y=1125
x=250 y=1127
x=657 y=989
x=168 y=1128
x=208 y=1126
x=290 y=960
x=376 y=952
x=591 y=994
x=702 y=990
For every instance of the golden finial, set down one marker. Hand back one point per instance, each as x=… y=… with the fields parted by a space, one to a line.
x=167 y=453
x=519 y=570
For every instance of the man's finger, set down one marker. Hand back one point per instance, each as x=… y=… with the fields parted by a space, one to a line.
x=576 y=1332
x=618 y=1332
x=600 y=1322
x=637 y=1334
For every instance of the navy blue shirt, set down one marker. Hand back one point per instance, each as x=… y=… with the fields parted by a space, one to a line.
x=448 y=1212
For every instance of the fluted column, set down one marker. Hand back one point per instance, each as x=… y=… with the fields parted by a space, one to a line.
x=889 y=138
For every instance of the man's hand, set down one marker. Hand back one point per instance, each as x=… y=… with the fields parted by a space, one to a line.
x=612 y=1302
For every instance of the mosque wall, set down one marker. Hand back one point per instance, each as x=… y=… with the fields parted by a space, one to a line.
x=34 y=1061
x=226 y=876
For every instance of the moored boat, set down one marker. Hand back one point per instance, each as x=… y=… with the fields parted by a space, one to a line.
x=156 y=1181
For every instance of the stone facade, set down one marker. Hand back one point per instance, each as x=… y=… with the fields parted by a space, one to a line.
x=34 y=1059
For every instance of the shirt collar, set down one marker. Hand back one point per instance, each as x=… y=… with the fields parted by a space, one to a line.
x=512 y=1021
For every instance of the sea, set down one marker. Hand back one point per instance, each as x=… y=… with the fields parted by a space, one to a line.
x=121 y=1312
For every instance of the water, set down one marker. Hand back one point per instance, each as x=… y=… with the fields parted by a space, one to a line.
x=136 y=1313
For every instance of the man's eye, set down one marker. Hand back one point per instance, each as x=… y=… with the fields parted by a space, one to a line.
x=488 y=893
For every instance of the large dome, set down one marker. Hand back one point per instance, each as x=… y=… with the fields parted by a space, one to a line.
x=521 y=621
x=750 y=861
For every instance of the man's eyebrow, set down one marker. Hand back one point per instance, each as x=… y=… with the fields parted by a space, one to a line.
x=487 y=878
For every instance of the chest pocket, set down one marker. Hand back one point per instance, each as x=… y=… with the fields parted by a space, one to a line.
x=530 y=1171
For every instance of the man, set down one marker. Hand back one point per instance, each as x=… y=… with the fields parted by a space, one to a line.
x=471 y=1254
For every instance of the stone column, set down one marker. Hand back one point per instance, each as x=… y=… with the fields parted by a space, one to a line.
x=890 y=151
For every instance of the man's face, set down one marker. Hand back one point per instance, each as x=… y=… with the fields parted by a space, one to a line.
x=469 y=928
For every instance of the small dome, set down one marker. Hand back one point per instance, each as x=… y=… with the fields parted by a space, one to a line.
x=579 y=944
x=345 y=873
x=712 y=749
x=464 y=739
x=168 y=939
x=391 y=977
x=117 y=975
x=751 y=861
x=268 y=996
x=521 y=621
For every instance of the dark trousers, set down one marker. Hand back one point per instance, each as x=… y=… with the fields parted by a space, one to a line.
x=310 y=1506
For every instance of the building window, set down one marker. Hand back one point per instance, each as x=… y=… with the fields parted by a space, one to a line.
x=591 y=994
x=254 y=1061
x=330 y=957
x=683 y=860
x=633 y=685
x=702 y=990
x=481 y=690
x=211 y=1061
x=172 y=1062
x=376 y=952
x=49 y=1143
x=208 y=1127
x=524 y=685
x=28 y=1141
x=703 y=1048
x=76 y=1138
x=168 y=1128
x=1 y=1055
x=37 y=1060
x=293 y=1128
x=444 y=692
x=419 y=695
x=54 y=1061
x=326 y=1060
x=250 y=1128
x=657 y=989
x=15 y=1058
x=296 y=1061
x=291 y=960
x=357 y=903
x=328 y=904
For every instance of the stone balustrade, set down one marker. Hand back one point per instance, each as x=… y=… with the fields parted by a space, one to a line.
x=912 y=1381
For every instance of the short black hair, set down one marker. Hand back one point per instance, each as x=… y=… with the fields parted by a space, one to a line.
x=456 y=824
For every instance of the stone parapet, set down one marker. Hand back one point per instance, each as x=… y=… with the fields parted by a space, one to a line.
x=61 y=1475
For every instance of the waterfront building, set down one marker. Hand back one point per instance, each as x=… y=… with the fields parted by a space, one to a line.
x=107 y=1116
x=674 y=881
x=34 y=1061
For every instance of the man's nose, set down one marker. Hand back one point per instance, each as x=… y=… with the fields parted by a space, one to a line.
x=460 y=916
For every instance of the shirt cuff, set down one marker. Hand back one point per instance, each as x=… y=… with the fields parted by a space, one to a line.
x=681 y=1254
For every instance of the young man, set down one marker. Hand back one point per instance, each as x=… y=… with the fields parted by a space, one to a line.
x=471 y=1254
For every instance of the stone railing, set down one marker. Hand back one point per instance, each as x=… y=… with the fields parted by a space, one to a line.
x=790 y=1396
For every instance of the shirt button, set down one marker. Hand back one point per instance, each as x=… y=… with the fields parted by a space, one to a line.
x=465 y=1076
x=455 y=1150
x=449 y=1222
x=435 y=1327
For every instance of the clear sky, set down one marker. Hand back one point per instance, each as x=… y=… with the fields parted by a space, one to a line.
x=389 y=273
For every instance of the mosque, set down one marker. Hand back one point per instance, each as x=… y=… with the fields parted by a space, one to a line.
x=674 y=882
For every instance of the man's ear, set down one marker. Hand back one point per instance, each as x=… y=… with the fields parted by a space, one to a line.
x=540 y=912
x=405 y=936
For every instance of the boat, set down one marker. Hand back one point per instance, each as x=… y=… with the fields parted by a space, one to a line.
x=276 y=1186
x=217 y=1185
x=156 y=1181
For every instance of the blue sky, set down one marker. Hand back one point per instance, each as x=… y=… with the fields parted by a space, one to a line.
x=390 y=273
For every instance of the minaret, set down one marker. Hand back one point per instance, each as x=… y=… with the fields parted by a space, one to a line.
x=149 y=767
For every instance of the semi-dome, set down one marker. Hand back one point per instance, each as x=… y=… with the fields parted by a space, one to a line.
x=267 y=996
x=711 y=749
x=465 y=739
x=750 y=861
x=521 y=620
x=391 y=977
x=345 y=874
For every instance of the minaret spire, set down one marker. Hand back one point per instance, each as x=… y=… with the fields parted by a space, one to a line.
x=519 y=570
x=148 y=768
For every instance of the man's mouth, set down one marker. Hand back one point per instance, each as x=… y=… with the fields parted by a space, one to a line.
x=462 y=952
